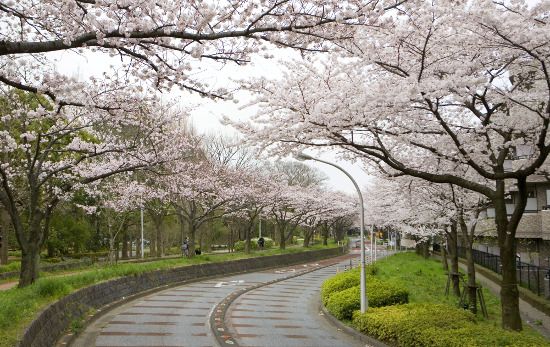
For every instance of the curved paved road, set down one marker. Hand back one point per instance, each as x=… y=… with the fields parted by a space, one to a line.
x=285 y=313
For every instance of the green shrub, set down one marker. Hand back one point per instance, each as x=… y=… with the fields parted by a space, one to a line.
x=339 y=282
x=345 y=280
x=477 y=335
x=342 y=304
x=239 y=245
x=371 y=269
x=435 y=325
x=268 y=243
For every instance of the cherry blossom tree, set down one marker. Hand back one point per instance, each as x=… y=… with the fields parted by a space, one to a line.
x=439 y=89
x=167 y=41
x=203 y=191
x=328 y=211
x=253 y=201
x=50 y=152
x=428 y=209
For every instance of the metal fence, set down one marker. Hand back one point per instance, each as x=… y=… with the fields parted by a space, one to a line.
x=529 y=276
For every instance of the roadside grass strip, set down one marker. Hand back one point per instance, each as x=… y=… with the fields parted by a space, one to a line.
x=408 y=307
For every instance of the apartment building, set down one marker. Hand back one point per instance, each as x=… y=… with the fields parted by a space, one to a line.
x=533 y=233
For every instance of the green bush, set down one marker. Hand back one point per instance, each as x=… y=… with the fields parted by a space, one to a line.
x=239 y=245
x=435 y=325
x=339 y=282
x=345 y=280
x=371 y=269
x=268 y=243
x=342 y=304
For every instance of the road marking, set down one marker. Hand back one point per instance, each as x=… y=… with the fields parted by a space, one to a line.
x=230 y=283
x=285 y=271
x=308 y=265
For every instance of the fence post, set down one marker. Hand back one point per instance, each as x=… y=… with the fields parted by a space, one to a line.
x=529 y=276
x=538 y=281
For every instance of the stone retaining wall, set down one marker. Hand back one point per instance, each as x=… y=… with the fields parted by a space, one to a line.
x=55 y=319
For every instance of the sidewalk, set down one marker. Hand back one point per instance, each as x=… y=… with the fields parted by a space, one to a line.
x=531 y=315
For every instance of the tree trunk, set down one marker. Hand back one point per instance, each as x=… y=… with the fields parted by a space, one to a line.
x=307 y=236
x=282 y=239
x=30 y=247
x=160 y=243
x=471 y=287
x=4 y=236
x=29 y=267
x=247 y=242
x=112 y=250
x=125 y=245
x=157 y=220
x=192 y=235
x=472 y=301
x=325 y=230
x=426 y=249
x=153 y=246
x=468 y=237
x=138 y=247
x=452 y=243
x=130 y=247
x=509 y=293
x=3 y=244
x=444 y=261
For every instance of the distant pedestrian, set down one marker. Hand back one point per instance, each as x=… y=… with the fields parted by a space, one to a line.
x=185 y=247
x=261 y=242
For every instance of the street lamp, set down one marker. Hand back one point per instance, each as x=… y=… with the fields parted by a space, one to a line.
x=141 y=217
x=364 y=301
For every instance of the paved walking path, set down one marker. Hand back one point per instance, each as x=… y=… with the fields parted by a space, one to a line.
x=284 y=313
x=8 y=285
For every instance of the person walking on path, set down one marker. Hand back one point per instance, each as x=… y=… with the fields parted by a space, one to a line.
x=185 y=247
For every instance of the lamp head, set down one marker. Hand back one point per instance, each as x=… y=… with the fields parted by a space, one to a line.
x=302 y=156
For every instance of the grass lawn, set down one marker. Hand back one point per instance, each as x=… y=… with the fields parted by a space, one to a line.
x=18 y=307
x=425 y=280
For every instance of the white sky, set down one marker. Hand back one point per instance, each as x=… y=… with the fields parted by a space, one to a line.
x=206 y=114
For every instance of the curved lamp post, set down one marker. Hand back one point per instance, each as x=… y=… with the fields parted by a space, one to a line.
x=364 y=300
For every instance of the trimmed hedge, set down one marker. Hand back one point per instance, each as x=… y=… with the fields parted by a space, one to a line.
x=339 y=282
x=239 y=245
x=342 y=304
x=345 y=280
x=435 y=325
